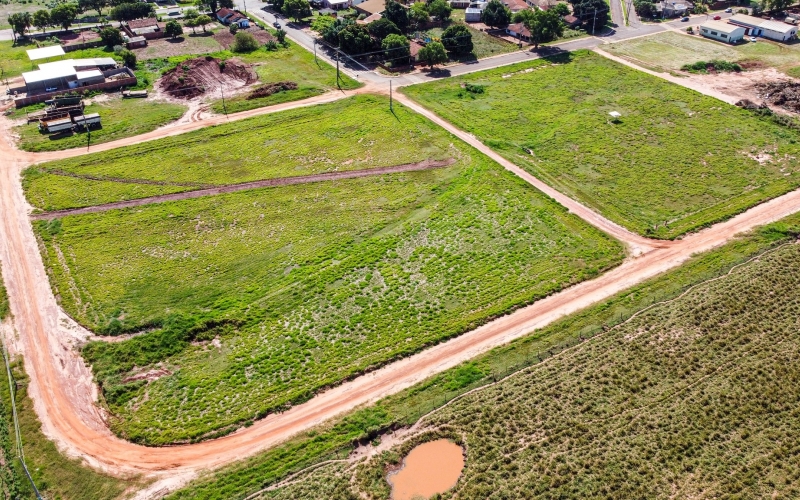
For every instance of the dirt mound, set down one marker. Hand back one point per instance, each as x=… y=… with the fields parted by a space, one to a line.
x=785 y=94
x=748 y=104
x=225 y=37
x=195 y=77
x=271 y=88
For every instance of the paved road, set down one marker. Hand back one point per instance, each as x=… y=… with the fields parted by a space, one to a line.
x=617 y=15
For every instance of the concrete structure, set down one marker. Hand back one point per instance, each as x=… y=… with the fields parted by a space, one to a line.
x=518 y=30
x=723 y=32
x=136 y=42
x=67 y=74
x=473 y=15
x=755 y=26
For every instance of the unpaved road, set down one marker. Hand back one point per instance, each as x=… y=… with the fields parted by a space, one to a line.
x=64 y=395
x=232 y=188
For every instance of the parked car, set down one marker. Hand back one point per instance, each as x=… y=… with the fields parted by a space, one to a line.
x=277 y=25
x=51 y=89
x=752 y=39
x=728 y=10
x=684 y=19
x=717 y=18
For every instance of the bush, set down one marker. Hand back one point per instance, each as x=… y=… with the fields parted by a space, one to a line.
x=111 y=36
x=475 y=88
x=233 y=28
x=131 y=11
x=457 y=39
x=244 y=42
x=128 y=58
x=715 y=65
x=173 y=29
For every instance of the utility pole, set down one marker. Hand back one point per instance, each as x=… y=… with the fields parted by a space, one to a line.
x=338 y=55
x=390 y=97
x=315 y=51
x=224 y=107
x=594 y=23
x=88 y=133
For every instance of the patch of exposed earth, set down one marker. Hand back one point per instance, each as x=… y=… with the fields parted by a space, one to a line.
x=741 y=86
x=206 y=75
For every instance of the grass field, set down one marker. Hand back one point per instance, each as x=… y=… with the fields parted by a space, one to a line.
x=669 y=51
x=300 y=287
x=120 y=118
x=675 y=162
x=14 y=59
x=334 y=440
x=484 y=45
x=257 y=148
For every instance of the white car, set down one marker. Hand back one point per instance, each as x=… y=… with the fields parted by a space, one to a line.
x=753 y=39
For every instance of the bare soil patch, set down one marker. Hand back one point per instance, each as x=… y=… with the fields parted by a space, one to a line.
x=785 y=93
x=195 y=77
x=741 y=86
x=225 y=37
x=271 y=88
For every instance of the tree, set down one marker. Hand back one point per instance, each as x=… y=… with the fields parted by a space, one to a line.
x=128 y=58
x=131 y=11
x=281 y=36
x=63 y=15
x=331 y=35
x=440 y=9
x=594 y=13
x=192 y=23
x=97 y=5
x=418 y=14
x=544 y=26
x=645 y=8
x=496 y=14
x=206 y=5
x=244 y=42
x=173 y=29
x=41 y=19
x=776 y=5
x=297 y=9
x=226 y=4
x=111 y=36
x=382 y=28
x=321 y=24
x=355 y=39
x=432 y=54
x=203 y=20
x=457 y=39
x=397 y=14
x=19 y=22
x=191 y=14
x=561 y=9
x=396 y=48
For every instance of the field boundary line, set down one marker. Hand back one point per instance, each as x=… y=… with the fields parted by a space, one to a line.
x=245 y=186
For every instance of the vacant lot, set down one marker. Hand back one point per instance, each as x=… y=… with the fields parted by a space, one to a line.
x=259 y=298
x=258 y=148
x=120 y=118
x=676 y=160
x=484 y=45
x=669 y=51
x=334 y=439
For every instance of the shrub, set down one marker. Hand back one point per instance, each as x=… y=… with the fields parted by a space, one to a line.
x=128 y=58
x=111 y=36
x=233 y=28
x=457 y=39
x=715 y=65
x=244 y=42
x=173 y=29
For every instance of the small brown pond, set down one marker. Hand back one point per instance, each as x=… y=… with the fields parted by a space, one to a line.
x=430 y=468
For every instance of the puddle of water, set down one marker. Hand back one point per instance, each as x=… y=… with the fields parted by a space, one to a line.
x=430 y=468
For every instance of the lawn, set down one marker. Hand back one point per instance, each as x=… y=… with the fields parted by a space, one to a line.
x=484 y=45
x=14 y=58
x=334 y=439
x=257 y=148
x=669 y=51
x=120 y=118
x=675 y=162
x=258 y=298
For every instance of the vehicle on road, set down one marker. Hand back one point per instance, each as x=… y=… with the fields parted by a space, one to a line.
x=277 y=25
x=717 y=18
x=752 y=39
x=684 y=19
x=728 y=10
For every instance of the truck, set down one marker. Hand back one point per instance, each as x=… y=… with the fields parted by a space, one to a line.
x=57 y=125
x=91 y=120
x=134 y=93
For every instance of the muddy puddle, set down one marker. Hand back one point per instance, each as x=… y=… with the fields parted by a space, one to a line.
x=430 y=468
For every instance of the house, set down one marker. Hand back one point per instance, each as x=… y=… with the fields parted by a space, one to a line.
x=229 y=16
x=723 y=32
x=67 y=74
x=571 y=21
x=148 y=28
x=674 y=9
x=336 y=4
x=460 y=4
x=541 y=4
x=136 y=42
x=371 y=7
x=755 y=26
x=516 y=5
x=518 y=30
x=473 y=15
x=369 y=19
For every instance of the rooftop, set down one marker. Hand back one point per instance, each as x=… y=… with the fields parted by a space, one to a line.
x=143 y=23
x=372 y=6
x=720 y=26
x=45 y=52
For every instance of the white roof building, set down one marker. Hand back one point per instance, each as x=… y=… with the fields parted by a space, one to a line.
x=724 y=32
x=45 y=52
x=755 y=26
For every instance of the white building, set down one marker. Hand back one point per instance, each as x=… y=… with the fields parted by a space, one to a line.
x=774 y=30
x=723 y=32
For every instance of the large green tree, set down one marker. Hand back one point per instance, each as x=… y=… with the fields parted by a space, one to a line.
x=63 y=15
x=440 y=9
x=331 y=33
x=173 y=29
x=131 y=11
x=111 y=36
x=397 y=14
x=457 y=40
x=203 y=20
x=496 y=14
x=593 y=13
x=20 y=21
x=41 y=19
x=297 y=9
x=97 y=5
x=544 y=26
x=396 y=49
x=381 y=28
x=432 y=54
x=355 y=39
x=418 y=14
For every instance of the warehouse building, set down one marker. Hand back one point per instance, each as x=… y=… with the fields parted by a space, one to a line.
x=773 y=30
x=67 y=74
x=723 y=32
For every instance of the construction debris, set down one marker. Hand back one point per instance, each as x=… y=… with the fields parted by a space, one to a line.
x=784 y=93
x=271 y=88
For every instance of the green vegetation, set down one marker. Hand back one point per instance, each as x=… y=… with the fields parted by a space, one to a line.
x=334 y=440
x=675 y=162
x=14 y=60
x=292 y=63
x=120 y=118
x=483 y=44
x=715 y=65
x=257 y=148
x=670 y=51
x=54 y=475
x=258 y=298
x=4 y=310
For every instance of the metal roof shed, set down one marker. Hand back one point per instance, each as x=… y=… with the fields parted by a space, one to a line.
x=45 y=52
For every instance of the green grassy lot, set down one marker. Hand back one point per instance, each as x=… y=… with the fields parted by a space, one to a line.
x=55 y=475
x=292 y=63
x=333 y=440
x=13 y=58
x=675 y=162
x=120 y=118
x=484 y=45
x=302 y=286
x=669 y=51
x=257 y=148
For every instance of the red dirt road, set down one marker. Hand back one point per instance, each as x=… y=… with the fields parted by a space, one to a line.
x=64 y=395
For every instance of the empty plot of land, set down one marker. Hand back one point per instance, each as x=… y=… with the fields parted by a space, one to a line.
x=674 y=162
x=351 y=134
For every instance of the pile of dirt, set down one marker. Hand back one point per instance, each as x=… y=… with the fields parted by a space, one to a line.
x=784 y=93
x=225 y=37
x=195 y=77
x=271 y=88
x=748 y=104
